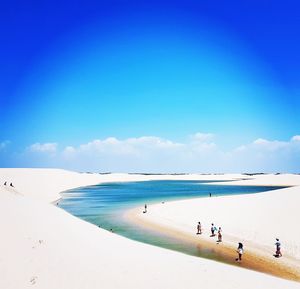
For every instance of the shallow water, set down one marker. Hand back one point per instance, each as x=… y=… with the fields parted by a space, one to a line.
x=105 y=204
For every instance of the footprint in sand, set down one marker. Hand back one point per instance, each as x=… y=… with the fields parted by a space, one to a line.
x=40 y=243
x=33 y=280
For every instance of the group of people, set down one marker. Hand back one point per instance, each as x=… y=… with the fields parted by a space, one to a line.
x=11 y=184
x=218 y=231
x=213 y=230
x=240 y=248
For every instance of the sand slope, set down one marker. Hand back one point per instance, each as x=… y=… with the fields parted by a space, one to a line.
x=257 y=217
x=44 y=247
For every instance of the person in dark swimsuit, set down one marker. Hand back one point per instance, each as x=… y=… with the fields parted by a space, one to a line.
x=240 y=251
x=199 y=229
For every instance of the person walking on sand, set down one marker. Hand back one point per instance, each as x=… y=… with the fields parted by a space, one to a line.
x=199 y=229
x=278 y=248
x=5 y=183
x=212 y=229
x=219 y=235
x=11 y=184
x=240 y=251
x=145 y=211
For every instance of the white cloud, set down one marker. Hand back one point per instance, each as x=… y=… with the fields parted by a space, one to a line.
x=295 y=138
x=260 y=141
x=4 y=144
x=128 y=147
x=43 y=148
x=69 y=150
x=152 y=142
x=269 y=155
x=199 y=153
x=201 y=142
x=146 y=153
x=202 y=137
x=240 y=148
x=270 y=145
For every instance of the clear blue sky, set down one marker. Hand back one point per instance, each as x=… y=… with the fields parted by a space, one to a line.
x=75 y=71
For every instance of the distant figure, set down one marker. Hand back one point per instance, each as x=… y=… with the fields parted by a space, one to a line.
x=210 y=195
x=5 y=183
x=219 y=235
x=111 y=230
x=212 y=229
x=278 y=248
x=240 y=251
x=145 y=211
x=11 y=185
x=199 y=229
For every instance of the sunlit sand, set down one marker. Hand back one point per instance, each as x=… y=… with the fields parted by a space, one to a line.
x=45 y=247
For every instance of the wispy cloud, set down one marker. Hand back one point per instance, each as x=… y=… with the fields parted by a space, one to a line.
x=199 y=153
x=130 y=146
x=270 y=155
x=295 y=138
x=202 y=137
x=4 y=144
x=43 y=147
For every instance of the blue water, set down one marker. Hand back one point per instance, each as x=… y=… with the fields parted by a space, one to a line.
x=104 y=205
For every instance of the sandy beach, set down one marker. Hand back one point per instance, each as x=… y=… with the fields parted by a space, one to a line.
x=43 y=246
x=256 y=220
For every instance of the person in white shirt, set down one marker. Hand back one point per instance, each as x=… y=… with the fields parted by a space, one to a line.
x=219 y=235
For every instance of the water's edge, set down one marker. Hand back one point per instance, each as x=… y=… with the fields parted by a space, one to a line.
x=106 y=204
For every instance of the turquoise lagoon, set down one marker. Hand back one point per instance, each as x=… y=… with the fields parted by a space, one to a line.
x=104 y=205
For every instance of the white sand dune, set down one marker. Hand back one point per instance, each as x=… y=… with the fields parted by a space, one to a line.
x=42 y=246
x=258 y=218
